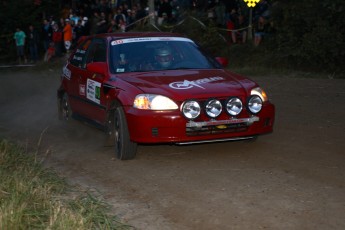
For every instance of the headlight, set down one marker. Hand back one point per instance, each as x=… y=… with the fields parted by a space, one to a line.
x=260 y=92
x=191 y=109
x=234 y=106
x=255 y=104
x=153 y=102
x=213 y=108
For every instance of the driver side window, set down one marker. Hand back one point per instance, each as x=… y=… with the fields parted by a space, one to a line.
x=97 y=52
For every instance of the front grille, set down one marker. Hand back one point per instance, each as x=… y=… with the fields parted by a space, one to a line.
x=216 y=129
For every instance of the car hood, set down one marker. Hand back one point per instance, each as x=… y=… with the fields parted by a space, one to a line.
x=187 y=84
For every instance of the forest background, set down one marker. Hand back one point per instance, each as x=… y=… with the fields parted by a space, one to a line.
x=308 y=35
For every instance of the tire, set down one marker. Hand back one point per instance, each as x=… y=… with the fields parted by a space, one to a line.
x=65 y=112
x=125 y=149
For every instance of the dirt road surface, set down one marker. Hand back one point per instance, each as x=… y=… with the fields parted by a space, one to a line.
x=293 y=178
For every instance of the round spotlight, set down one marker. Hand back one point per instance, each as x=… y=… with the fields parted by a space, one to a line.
x=191 y=109
x=254 y=104
x=234 y=106
x=213 y=108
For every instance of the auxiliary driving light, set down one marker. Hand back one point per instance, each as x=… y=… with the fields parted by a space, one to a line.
x=254 y=104
x=191 y=109
x=213 y=108
x=234 y=106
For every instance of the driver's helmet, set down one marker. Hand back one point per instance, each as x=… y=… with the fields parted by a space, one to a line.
x=163 y=56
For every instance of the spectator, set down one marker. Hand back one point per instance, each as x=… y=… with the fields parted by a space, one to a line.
x=119 y=15
x=140 y=14
x=122 y=25
x=67 y=35
x=57 y=39
x=261 y=9
x=47 y=33
x=230 y=25
x=20 y=36
x=85 y=27
x=50 y=52
x=164 y=20
x=78 y=31
x=164 y=7
x=62 y=23
x=130 y=20
x=112 y=27
x=125 y=9
x=174 y=17
x=33 y=41
x=94 y=21
x=74 y=17
x=260 y=28
x=240 y=30
x=102 y=25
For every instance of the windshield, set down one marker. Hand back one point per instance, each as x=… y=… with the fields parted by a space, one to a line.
x=157 y=53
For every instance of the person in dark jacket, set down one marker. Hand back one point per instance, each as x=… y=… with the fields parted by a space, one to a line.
x=47 y=33
x=33 y=41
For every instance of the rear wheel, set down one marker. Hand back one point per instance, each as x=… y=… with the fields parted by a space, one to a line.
x=124 y=147
x=65 y=112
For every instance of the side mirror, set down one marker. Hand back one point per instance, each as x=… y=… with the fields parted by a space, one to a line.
x=98 y=67
x=223 y=61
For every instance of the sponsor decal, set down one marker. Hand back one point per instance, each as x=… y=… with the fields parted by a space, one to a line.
x=66 y=72
x=149 y=39
x=82 y=90
x=196 y=83
x=77 y=58
x=120 y=70
x=93 y=91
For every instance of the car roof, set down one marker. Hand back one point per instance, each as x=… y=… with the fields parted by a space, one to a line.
x=137 y=35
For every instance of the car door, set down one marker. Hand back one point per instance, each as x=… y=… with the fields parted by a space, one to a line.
x=75 y=69
x=91 y=83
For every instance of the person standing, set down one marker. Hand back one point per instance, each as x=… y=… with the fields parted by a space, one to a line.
x=57 y=39
x=78 y=31
x=102 y=25
x=33 y=41
x=85 y=27
x=47 y=33
x=260 y=28
x=67 y=35
x=19 y=37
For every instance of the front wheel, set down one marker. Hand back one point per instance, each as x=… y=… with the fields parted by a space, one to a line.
x=124 y=147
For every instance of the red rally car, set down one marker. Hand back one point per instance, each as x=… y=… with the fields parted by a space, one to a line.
x=159 y=88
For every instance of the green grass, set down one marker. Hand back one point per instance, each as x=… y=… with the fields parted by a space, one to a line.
x=34 y=197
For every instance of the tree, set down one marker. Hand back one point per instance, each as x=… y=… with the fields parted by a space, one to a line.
x=311 y=32
x=22 y=13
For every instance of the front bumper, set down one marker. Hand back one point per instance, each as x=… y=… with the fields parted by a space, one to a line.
x=172 y=127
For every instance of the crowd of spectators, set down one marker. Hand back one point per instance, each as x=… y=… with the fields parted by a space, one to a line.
x=59 y=34
x=234 y=16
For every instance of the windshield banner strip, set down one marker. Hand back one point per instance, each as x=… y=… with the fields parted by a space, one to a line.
x=149 y=39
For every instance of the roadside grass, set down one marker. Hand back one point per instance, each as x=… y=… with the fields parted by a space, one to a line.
x=34 y=197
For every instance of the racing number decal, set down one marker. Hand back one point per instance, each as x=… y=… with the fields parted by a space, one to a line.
x=93 y=91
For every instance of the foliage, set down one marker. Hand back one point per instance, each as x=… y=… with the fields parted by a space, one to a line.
x=205 y=33
x=307 y=34
x=33 y=197
x=310 y=33
x=22 y=13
